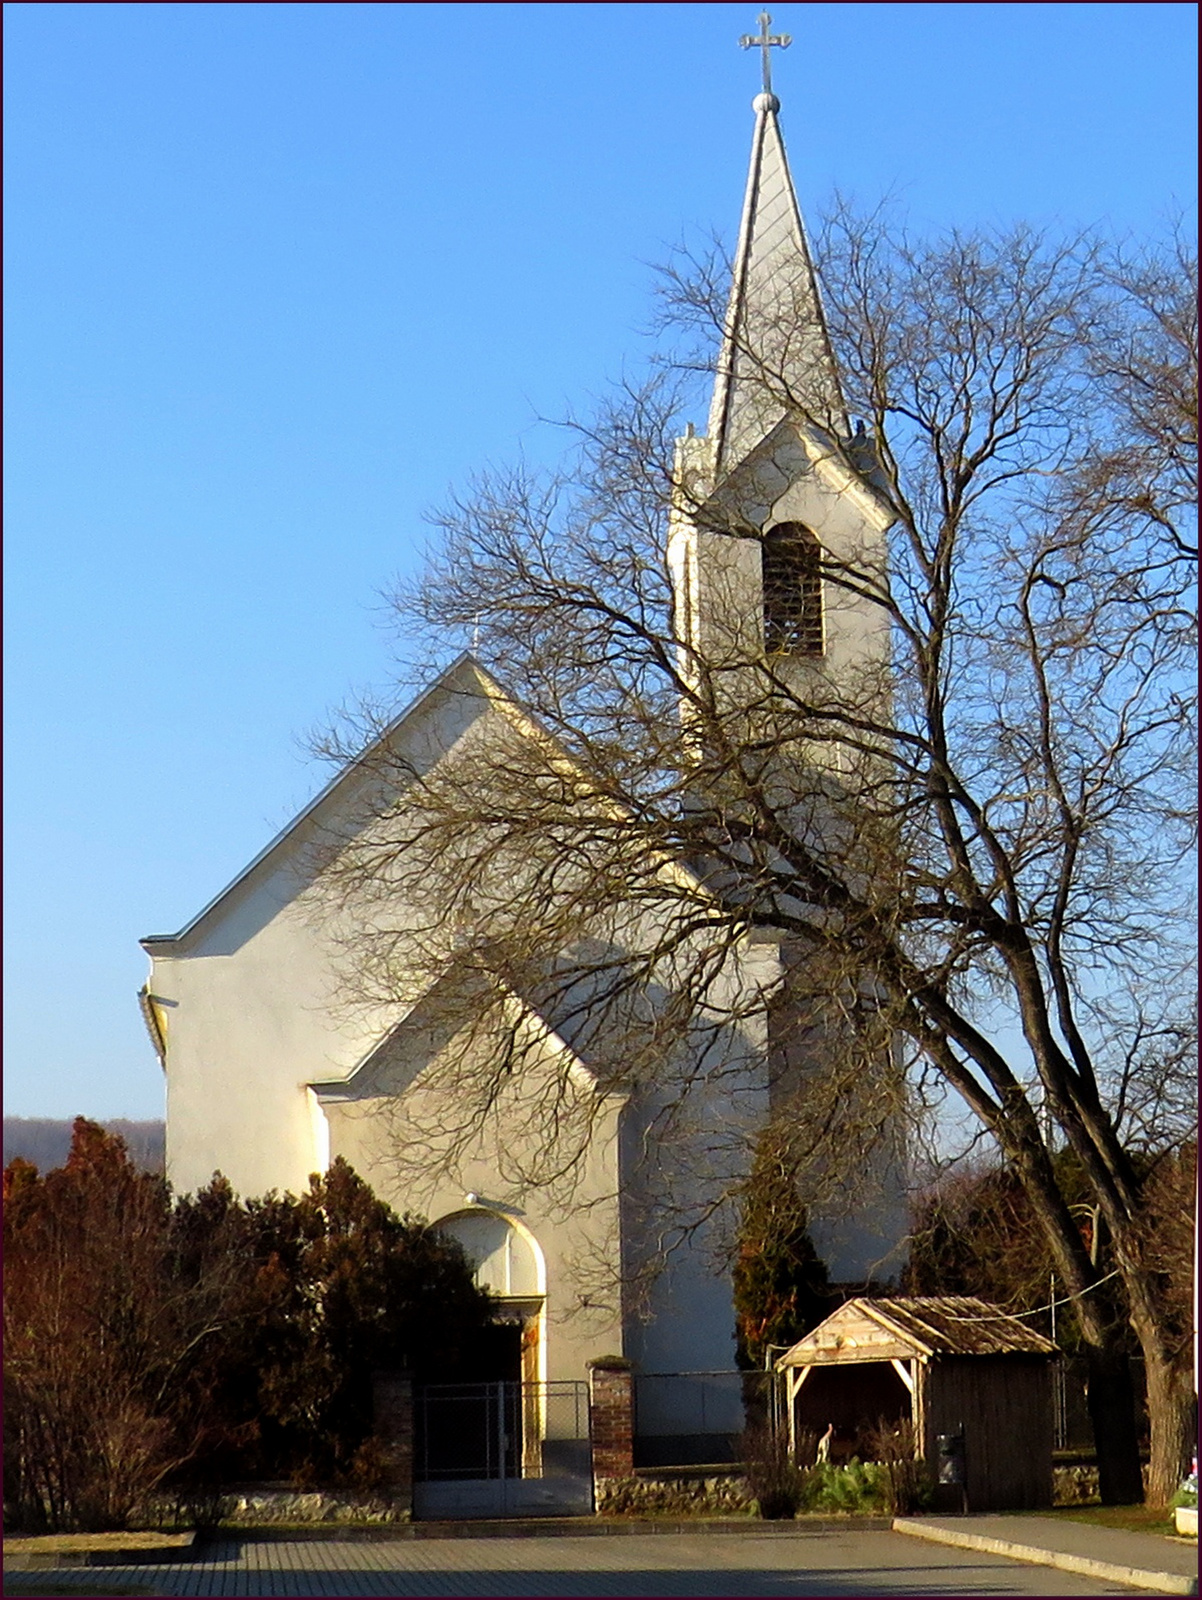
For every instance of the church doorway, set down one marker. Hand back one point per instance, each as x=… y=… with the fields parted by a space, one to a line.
x=493 y=1355
x=499 y=1440
x=508 y=1263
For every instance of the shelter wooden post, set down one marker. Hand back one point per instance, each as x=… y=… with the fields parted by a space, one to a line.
x=791 y=1391
x=794 y=1378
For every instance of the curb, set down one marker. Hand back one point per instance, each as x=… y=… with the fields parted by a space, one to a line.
x=1134 y=1577
x=535 y=1528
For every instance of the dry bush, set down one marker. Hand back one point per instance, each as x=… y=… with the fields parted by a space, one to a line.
x=101 y=1339
x=775 y=1479
x=908 y=1478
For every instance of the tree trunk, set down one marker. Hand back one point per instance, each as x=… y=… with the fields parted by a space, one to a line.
x=1173 y=1416
x=1111 y=1397
x=1110 y=1391
x=1160 y=1327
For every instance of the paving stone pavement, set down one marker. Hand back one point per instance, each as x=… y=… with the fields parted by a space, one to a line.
x=863 y=1562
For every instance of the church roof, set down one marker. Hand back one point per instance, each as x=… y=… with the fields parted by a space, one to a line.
x=776 y=353
x=439 y=1011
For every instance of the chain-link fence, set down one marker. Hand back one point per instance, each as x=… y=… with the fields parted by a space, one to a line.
x=1070 y=1402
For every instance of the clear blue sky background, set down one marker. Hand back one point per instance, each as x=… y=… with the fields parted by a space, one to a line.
x=277 y=275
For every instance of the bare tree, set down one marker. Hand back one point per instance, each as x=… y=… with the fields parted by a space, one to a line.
x=103 y=1337
x=1143 y=470
x=978 y=849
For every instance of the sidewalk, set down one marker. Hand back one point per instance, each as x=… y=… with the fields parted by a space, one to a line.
x=847 y=1565
x=1141 y=1560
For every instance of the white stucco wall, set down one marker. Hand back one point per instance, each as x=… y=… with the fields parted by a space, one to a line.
x=270 y=1074
x=582 y=1314
x=250 y=993
x=248 y=1028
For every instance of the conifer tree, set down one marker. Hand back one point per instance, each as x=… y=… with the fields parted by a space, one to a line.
x=781 y=1289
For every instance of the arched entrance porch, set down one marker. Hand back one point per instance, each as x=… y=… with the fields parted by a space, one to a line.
x=500 y=1439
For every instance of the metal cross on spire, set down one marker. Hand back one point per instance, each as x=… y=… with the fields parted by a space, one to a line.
x=766 y=40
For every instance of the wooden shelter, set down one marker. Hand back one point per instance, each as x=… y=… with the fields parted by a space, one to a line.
x=951 y=1365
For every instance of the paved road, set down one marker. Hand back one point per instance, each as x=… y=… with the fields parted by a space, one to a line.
x=863 y=1562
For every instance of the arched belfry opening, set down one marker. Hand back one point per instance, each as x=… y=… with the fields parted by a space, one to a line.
x=792 y=583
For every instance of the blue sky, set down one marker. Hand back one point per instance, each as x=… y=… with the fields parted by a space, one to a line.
x=279 y=275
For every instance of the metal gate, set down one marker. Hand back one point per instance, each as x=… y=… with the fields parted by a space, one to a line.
x=502 y=1450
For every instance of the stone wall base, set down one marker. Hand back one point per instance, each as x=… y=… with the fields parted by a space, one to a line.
x=644 y=1495
x=290 y=1505
x=1078 y=1485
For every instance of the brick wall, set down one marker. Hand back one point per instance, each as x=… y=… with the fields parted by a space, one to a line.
x=611 y=1417
x=392 y=1403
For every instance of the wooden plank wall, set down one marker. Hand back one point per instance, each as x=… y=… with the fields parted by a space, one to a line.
x=1005 y=1406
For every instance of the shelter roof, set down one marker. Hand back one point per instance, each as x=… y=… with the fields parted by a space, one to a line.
x=922 y=1326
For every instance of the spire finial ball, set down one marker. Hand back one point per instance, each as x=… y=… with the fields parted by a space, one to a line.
x=765 y=102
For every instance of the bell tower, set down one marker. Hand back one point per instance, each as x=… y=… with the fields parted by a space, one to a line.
x=776 y=540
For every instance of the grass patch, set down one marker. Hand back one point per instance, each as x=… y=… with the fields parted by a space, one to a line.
x=1131 y=1519
x=55 y=1544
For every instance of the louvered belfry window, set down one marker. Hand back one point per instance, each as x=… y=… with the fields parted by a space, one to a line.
x=792 y=567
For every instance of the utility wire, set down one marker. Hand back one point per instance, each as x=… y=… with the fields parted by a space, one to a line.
x=1039 y=1310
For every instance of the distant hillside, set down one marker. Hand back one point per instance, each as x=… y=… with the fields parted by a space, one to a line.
x=46 y=1140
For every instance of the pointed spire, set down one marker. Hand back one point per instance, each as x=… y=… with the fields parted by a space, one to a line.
x=776 y=353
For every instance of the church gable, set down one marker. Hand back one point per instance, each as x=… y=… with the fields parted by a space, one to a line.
x=410 y=747
x=253 y=993
x=460 y=1088
x=796 y=473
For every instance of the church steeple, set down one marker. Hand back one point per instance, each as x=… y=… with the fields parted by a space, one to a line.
x=776 y=353
x=775 y=501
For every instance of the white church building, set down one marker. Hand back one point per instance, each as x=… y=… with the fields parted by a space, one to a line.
x=269 y=1078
